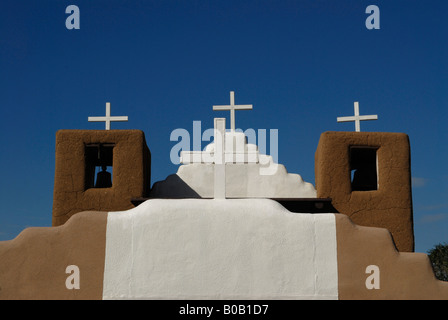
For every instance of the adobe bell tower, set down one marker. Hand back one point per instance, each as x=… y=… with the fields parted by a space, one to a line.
x=100 y=170
x=368 y=177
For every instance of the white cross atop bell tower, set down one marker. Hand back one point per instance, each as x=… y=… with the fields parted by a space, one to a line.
x=107 y=118
x=232 y=107
x=357 y=118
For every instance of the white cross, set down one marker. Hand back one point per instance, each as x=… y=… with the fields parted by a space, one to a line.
x=108 y=119
x=357 y=118
x=232 y=107
x=217 y=157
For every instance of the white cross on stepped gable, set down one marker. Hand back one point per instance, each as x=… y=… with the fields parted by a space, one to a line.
x=235 y=147
x=218 y=158
x=107 y=119
x=232 y=107
x=357 y=118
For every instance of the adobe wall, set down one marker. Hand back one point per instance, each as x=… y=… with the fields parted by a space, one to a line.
x=212 y=249
x=388 y=207
x=33 y=265
x=219 y=249
x=401 y=276
x=131 y=172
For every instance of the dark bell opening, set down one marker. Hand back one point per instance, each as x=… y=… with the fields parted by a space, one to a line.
x=99 y=165
x=363 y=167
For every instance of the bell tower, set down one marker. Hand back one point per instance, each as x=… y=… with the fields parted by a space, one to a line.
x=99 y=170
x=368 y=177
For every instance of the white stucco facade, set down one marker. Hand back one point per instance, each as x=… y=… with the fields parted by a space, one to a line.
x=219 y=249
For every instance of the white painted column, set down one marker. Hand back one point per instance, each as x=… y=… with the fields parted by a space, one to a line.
x=220 y=165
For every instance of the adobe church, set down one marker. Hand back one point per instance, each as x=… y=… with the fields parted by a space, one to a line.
x=219 y=228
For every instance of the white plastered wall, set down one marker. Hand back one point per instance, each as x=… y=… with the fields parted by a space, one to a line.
x=219 y=249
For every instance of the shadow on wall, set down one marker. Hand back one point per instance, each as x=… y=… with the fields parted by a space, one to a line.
x=173 y=187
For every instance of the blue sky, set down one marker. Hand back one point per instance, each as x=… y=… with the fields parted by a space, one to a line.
x=165 y=63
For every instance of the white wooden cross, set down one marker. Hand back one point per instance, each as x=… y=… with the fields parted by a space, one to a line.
x=217 y=157
x=108 y=119
x=357 y=118
x=232 y=107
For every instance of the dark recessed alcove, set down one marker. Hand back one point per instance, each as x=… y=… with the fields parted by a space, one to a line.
x=363 y=168
x=98 y=165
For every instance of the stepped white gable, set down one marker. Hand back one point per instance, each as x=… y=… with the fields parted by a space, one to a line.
x=229 y=167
